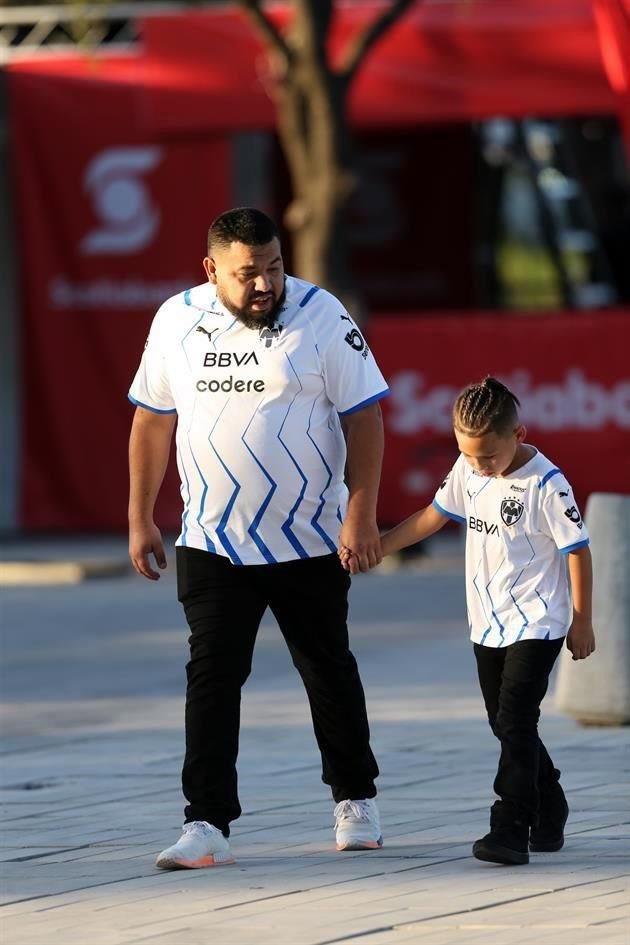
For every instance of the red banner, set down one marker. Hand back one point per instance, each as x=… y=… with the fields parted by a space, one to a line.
x=570 y=373
x=110 y=224
x=119 y=164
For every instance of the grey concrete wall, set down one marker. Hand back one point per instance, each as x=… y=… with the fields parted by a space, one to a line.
x=596 y=691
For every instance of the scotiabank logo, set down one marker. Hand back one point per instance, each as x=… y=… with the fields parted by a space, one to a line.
x=574 y=402
x=128 y=220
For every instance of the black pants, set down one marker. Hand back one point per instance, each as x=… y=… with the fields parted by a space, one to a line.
x=513 y=681
x=224 y=605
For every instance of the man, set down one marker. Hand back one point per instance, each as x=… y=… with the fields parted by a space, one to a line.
x=275 y=393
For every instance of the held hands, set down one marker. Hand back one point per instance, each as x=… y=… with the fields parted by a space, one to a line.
x=144 y=540
x=359 y=546
x=345 y=556
x=581 y=639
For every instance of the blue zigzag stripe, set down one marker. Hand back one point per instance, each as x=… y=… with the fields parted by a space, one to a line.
x=252 y=531
x=286 y=526
x=322 y=501
x=228 y=509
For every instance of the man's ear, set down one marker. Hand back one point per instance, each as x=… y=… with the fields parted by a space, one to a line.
x=211 y=269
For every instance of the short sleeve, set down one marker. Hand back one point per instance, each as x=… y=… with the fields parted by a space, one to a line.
x=449 y=498
x=150 y=387
x=561 y=519
x=351 y=375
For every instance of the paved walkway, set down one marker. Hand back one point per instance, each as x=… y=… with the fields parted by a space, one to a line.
x=92 y=683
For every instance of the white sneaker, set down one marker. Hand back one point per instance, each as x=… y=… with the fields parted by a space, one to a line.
x=357 y=825
x=200 y=844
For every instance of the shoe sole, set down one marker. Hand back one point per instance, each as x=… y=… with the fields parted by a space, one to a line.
x=205 y=861
x=498 y=854
x=360 y=845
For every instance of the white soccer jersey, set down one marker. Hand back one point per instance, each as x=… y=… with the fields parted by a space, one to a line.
x=260 y=450
x=518 y=530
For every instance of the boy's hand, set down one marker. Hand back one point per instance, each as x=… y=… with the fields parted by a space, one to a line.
x=345 y=556
x=581 y=639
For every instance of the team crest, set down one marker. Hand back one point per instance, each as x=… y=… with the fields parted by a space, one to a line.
x=269 y=335
x=511 y=511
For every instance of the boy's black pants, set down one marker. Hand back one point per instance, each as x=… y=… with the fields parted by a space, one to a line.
x=513 y=681
x=224 y=605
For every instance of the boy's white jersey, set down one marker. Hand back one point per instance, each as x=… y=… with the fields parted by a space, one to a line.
x=518 y=530
x=260 y=450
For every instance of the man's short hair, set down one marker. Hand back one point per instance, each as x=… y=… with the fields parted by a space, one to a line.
x=241 y=225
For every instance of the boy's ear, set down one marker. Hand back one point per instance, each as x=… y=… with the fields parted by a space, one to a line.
x=520 y=433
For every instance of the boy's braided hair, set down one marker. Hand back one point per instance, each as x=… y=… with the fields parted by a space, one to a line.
x=486 y=407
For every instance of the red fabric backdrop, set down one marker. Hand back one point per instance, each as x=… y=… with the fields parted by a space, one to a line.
x=120 y=162
x=110 y=224
x=570 y=373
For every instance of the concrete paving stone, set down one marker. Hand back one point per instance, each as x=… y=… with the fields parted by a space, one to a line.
x=116 y=783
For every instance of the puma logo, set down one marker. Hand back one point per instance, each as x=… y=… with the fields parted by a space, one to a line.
x=206 y=332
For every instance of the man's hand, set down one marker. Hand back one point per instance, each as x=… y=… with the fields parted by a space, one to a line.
x=143 y=541
x=581 y=639
x=359 y=546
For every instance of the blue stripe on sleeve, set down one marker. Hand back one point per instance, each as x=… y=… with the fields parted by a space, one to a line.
x=578 y=544
x=548 y=476
x=309 y=295
x=365 y=403
x=456 y=518
x=139 y=403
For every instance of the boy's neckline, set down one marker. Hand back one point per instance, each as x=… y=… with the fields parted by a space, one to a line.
x=526 y=461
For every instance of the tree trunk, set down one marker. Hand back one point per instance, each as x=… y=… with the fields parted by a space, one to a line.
x=315 y=135
x=316 y=141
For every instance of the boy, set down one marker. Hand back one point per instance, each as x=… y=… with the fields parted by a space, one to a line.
x=522 y=526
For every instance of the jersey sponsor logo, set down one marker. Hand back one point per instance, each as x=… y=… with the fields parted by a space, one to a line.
x=511 y=511
x=229 y=359
x=269 y=335
x=356 y=341
x=479 y=525
x=574 y=516
x=518 y=489
x=128 y=220
x=229 y=385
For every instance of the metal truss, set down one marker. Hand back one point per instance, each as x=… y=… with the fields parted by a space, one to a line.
x=33 y=30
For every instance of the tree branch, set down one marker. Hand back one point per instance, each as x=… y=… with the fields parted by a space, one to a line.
x=267 y=28
x=361 y=45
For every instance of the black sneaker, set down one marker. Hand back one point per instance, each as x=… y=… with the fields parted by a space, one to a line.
x=507 y=841
x=548 y=835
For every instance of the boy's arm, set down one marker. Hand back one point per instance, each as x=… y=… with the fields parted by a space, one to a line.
x=581 y=638
x=415 y=528
x=418 y=526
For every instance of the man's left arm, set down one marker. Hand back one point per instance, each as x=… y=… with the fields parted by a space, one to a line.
x=363 y=431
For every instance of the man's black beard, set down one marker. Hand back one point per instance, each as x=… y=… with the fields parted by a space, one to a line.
x=255 y=322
